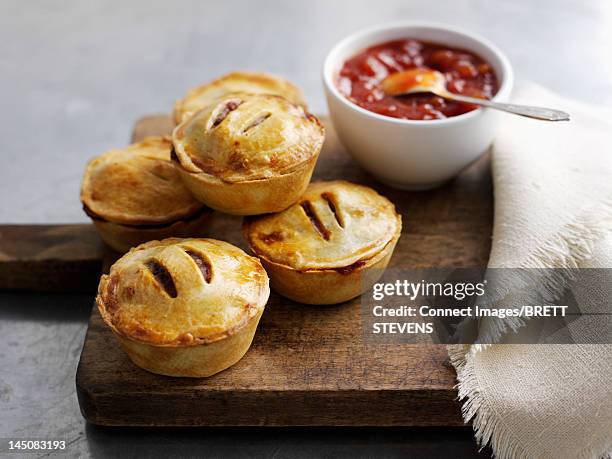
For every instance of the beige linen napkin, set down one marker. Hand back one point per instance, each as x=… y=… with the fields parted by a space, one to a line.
x=553 y=208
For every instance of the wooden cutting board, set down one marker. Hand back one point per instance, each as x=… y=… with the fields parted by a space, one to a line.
x=308 y=365
x=50 y=258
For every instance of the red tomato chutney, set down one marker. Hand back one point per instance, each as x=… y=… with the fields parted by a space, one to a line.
x=465 y=72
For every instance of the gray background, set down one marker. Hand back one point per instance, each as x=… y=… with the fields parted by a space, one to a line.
x=75 y=75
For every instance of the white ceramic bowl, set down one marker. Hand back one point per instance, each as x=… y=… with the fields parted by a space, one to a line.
x=410 y=154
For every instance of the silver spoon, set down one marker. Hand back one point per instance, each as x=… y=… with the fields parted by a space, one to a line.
x=422 y=80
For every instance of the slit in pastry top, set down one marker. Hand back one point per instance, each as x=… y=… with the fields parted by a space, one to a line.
x=248 y=137
x=315 y=220
x=203 y=265
x=335 y=225
x=256 y=122
x=331 y=202
x=224 y=111
x=178 y=290
x=163 y=277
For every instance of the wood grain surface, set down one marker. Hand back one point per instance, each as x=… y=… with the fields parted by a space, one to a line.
x=308 y=365
x=57 y=258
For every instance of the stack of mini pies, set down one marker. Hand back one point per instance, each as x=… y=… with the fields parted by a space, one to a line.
x=243 y=144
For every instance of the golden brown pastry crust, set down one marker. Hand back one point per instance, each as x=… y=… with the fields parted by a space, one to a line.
x=137 y=185
x=248 y=154
x=328 y=286
x=247 y=137
x=328 y=247
x=123 y=237
x=250 y=197
x=182 y=292
x=192 y=361
x=251 y=82
x=334 y=225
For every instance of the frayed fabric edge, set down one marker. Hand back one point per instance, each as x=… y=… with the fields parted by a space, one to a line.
x=487 y=425
x=565 y=252
x=572 y=246
x=489 y=428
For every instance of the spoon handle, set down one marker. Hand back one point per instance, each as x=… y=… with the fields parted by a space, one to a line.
x=539 y=113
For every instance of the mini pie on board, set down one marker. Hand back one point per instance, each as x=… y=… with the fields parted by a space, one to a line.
x=251 y=82
x=248 y=154
x=329 y=247
x=184 y=307
x=135 y=194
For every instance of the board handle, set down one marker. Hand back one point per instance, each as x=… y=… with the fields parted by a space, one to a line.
x=50 y=258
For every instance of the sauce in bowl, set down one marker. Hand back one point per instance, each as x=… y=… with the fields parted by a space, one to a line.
x=465 y=72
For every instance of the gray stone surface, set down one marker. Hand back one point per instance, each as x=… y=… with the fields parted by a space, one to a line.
x=75 y=75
